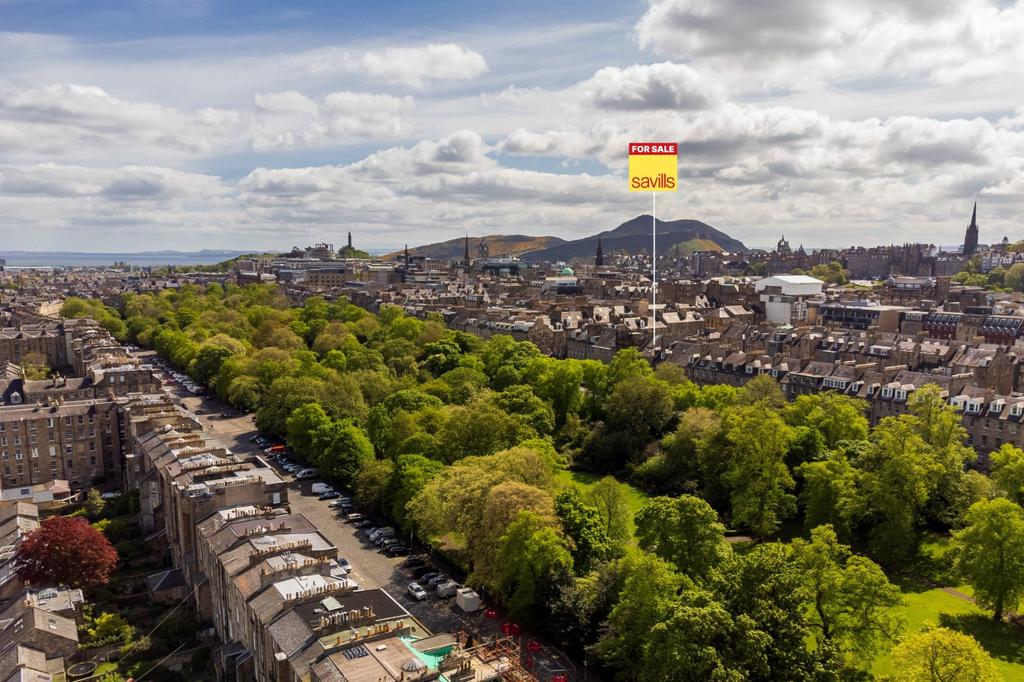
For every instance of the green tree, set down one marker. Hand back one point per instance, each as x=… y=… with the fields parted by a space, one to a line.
x=340 y=448
x=942 y=655
x=900 y=473
x=756 y=472
x=208 y=361
x=767 y=596
x=94 y=503
x=302 y=424
x=639 y=407
x=852 y=601
x=480 y=428
x=647 y=598
x=989 y=553
x=611 y=499
x=109 y=626
x=558 y=382
x=684 y=531
x=831 y=494
x=698 y=640
x=764 y=390
x=452 y=502
x=521 y=402
x=627 y=363
x=1014 y=277
x=582 y=524
x=441 y=356
x=371 y=480
x=34 y=366
x=1008 y=471
x=411 y=473
x=835 y=416
x=533 y=560
x=503 y=504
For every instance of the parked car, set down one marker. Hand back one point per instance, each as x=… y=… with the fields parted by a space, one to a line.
x=354 y=516
x=363 y=523
x=339 y=502
x=329 y=495
x=306 y=473
x=319 y=488
x=399 y=550
x=414 y=562
x=446 y=590
x=390 y=542
x=427 y=570
x=417 y=592
x=437 y=580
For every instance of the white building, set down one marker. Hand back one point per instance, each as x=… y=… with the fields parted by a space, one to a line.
x=785 y=297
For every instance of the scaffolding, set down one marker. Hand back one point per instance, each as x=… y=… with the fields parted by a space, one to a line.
x=502 y=657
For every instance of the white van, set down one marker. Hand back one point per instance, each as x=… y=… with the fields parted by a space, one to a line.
x=306 y=473
x=320 y=488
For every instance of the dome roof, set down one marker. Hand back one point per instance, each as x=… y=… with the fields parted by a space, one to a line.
x=567 y=271
x=413 y=664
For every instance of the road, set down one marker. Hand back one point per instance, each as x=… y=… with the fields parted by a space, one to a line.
x=370 y=568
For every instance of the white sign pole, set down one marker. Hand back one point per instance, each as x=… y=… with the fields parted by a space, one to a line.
x=654 y=270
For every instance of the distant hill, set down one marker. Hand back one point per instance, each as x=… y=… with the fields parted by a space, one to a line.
x=634 y=236
x=691 y=245
x=498 y=245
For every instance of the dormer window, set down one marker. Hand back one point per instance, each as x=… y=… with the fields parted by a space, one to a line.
x=901 y=395
x=886 y=392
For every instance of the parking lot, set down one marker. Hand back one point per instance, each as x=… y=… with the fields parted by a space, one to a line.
x=370 y=566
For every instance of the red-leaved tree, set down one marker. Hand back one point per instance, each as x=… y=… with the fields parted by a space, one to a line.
x=65 y=551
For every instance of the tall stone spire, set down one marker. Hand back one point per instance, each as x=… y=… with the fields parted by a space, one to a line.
x=465 y=256
x=971 y=237
x=349 y=240
x=599 y=258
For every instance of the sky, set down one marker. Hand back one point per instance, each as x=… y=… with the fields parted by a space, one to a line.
x=157 y=124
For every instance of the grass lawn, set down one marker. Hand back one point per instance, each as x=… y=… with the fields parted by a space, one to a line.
x=637 y=498
x=934 y=607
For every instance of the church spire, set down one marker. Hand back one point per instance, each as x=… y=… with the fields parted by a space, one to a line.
x=971 y=236
x=465 y=256
x=599 y=257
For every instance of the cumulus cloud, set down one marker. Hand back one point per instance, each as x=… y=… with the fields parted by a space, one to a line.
x=416 y=65
x=50 y=180
x=788 y=114
x=791 y=43
x=650 y=87
x=289 y=120
x=62 y=118
x=410 y=66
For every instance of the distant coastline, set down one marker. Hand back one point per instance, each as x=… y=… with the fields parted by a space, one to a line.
x=37 y=259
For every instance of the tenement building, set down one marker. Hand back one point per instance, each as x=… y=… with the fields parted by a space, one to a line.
x=67 y=428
